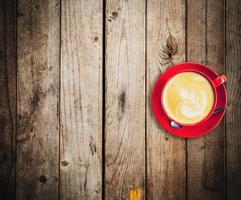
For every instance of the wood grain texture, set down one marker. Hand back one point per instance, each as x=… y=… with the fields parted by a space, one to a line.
x=165 y=47
x=7 y=98
x=38 y=99
x=81 y=99
x=206 y=155
x=125 y=98
x=233 y=123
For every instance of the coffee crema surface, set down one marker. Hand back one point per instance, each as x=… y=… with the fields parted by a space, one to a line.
x=188 y=97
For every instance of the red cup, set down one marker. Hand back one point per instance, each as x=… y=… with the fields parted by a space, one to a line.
x=215 y=83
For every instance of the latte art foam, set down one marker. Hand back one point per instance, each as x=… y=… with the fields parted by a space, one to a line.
x=188 y=97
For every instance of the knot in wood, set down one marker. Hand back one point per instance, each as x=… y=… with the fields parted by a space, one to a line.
x=172 y=46
x=43 y=179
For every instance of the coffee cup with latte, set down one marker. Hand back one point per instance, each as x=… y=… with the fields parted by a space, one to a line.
x=189 y=98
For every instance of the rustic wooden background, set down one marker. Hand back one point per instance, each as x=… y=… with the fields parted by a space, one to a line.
x=75 y=84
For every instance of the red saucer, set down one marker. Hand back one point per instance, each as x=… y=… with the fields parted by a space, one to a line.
x=188 y=131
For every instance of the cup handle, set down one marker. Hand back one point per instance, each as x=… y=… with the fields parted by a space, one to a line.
x=219 y=80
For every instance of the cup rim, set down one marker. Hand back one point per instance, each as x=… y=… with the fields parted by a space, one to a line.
x=215 y=97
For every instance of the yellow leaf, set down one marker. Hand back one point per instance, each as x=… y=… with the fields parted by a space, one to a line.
x=135 y=194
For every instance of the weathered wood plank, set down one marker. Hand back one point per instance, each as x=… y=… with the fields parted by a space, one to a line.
x=81 y=99
x=38 y=99
x=125 y=98
x=166 y=177
x=206 y=155
x=7 y=98
x=233 y=119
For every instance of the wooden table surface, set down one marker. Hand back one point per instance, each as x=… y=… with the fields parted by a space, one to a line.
x=75 y=83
